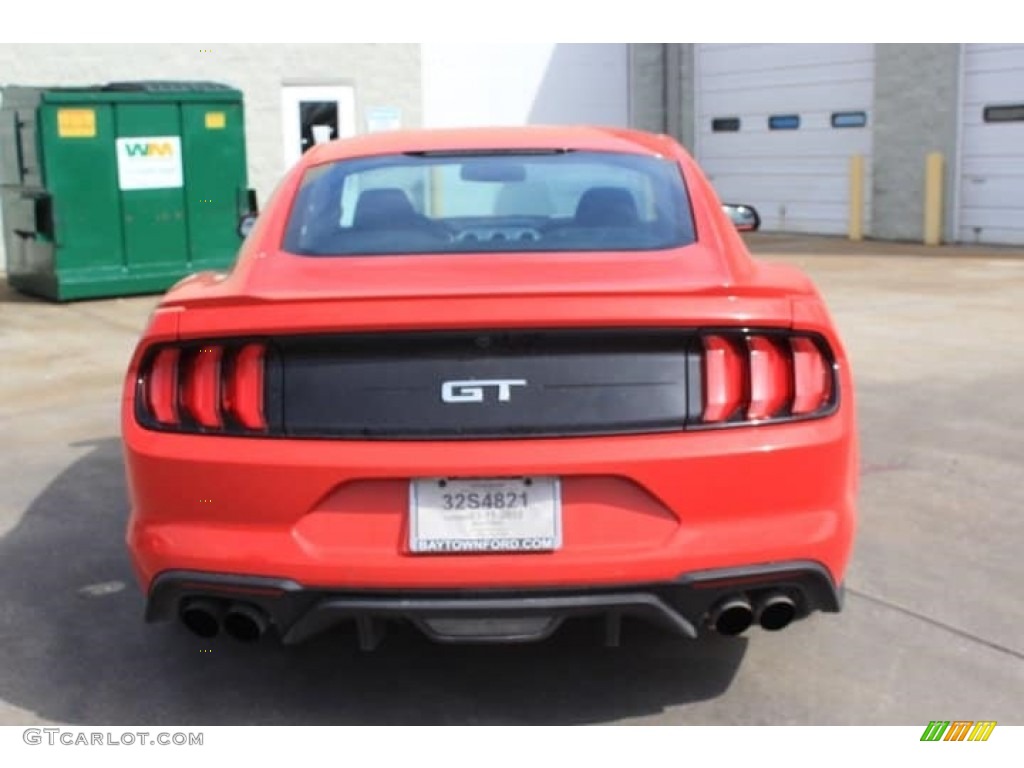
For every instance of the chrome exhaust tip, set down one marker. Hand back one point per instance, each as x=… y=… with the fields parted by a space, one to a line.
x=775 y=611
x=245 y=623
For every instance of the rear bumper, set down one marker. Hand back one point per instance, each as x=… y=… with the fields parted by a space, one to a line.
x=681 y=605
x=639 y=509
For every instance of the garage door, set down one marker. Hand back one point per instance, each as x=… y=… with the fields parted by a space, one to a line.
x=991 y=197
x=519 y=84
x=777 y=125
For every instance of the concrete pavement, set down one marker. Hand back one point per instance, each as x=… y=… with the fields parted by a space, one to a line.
x=934 y=622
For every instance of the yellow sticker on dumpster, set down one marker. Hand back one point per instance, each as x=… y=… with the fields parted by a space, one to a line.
x=216 y=120
x=76 y=123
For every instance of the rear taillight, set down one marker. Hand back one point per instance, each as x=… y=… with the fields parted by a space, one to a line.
x=161 y=390
x=725 y=378
x=208 y=388
x=200 y=387
x=243 y=395
x=754 y=377
x=770 y=376
x=812 y=377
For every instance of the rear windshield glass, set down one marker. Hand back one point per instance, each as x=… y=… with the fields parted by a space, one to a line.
x=490 y=202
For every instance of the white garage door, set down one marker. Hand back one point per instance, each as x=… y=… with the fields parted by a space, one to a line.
x=991 y=197
x=519 y=84
x=777 y=125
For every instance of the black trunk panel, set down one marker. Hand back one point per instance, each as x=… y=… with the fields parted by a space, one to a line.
x=542 y=383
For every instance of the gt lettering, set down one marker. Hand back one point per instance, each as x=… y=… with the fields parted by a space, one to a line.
x=474 y=390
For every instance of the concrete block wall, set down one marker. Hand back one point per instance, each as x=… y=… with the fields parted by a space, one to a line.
x=916 y=111
x=661 y=92
x=647 y=107
x=383 y=75
x=681 y=93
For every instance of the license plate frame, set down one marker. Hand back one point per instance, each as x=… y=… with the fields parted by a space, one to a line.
x=529 y=520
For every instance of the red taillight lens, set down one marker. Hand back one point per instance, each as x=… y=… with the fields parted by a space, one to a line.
x=200 y=391
x=216 y=387
x=769 y=378
x=243 y=393
x=761 y=376
x=724 y=379
x=812 y=379
x=161 y=386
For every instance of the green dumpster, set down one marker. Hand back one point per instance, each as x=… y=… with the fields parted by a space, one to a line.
x=120 y=189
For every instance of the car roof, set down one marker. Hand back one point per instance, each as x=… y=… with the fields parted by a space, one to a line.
x=576 y=137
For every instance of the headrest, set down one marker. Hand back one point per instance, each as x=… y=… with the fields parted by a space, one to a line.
x=378 y=208
x=607 y=206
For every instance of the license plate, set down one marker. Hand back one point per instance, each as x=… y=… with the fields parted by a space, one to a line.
x=513 y=514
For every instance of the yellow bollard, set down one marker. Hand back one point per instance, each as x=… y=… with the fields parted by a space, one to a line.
x=855 y=222
x=933 y=172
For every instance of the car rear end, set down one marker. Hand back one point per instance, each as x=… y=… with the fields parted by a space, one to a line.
x=488 y=445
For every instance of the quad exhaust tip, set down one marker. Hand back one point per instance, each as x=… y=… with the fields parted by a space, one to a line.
x=734 y=615
x=205 y=617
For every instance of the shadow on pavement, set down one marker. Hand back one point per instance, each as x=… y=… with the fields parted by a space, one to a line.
x=87 y=658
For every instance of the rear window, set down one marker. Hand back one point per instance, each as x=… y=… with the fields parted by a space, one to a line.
x=490 y=202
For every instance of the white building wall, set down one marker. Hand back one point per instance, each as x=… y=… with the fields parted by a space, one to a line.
x=529 y=83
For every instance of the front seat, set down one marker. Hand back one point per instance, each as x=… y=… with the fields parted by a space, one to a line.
x=607 y=207
x=384 y=209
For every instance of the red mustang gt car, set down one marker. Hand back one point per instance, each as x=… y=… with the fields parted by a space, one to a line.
x=484 y=381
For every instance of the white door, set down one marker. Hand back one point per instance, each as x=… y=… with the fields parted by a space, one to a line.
x=777 y=125
x=476 y=84
x=991 y=194
x=313 y=114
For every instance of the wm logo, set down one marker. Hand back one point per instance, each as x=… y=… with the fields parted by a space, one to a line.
x=150 y=149
x=958 y=730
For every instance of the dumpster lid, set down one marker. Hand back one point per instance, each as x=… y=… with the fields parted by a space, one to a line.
x=164 y=86
x=143 y=90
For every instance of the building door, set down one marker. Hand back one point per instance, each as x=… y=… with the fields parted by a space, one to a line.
x=314 y=114
x=991 y=185
x=777 y=124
